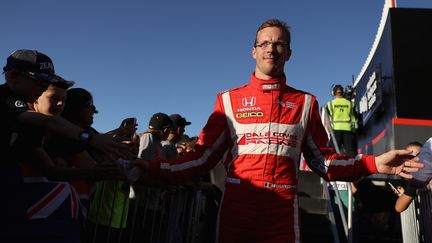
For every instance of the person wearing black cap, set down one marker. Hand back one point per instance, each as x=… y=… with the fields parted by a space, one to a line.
x=176 y=133
x=150 y=147
x=28 y=74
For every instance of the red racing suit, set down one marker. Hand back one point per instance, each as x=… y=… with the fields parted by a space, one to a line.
x=261 y=129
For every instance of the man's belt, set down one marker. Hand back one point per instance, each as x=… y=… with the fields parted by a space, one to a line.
x=265 y=184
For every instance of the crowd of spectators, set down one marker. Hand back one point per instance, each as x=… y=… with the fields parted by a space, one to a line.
x=63 y=181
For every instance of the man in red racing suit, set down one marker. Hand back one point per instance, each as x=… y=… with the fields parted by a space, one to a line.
x=261 y=129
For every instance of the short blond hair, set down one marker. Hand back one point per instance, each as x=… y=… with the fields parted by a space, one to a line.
x=275 y=23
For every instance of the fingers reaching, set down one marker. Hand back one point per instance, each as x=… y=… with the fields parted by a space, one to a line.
x=414 y=163
x=410 y=166
x=410 y=169
x=405 y=175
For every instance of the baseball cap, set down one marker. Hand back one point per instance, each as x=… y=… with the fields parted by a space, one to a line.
x=36 y=64
x=160 y=121
x=179 y=121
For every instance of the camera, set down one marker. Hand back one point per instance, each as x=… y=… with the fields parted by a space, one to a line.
x=349 y=92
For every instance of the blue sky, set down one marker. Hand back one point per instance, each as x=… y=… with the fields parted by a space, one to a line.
x=142 y=57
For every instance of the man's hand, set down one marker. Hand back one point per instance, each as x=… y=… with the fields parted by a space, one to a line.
x=124 y=133
x=398 y=162
x=105 y=143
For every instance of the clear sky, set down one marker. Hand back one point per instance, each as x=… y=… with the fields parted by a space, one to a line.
x=142 y=57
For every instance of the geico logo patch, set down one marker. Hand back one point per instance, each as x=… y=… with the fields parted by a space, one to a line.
x=250 y=114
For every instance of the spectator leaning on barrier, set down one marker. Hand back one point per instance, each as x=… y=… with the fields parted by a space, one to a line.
x=264 y=126
x=28 y=74
x=342 y=119
x=74 y=155
x=150 y=147
x=51 y=215
x=175 y=135
x=106 y=201
x=78 y=110
x=43 y=219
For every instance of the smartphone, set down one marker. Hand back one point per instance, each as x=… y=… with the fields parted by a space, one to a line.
x=395 y=190
x=131 y=121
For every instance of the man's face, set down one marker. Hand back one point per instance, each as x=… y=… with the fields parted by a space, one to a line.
x=51 y=102
x=86 y=113
x=176 y=134
x=180 y=131
x=270 y=53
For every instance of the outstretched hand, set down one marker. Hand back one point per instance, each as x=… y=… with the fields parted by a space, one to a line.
x=106 y=144
x=398 y=162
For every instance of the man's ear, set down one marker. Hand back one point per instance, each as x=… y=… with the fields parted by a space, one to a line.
x=288 y=55
x=254 y=53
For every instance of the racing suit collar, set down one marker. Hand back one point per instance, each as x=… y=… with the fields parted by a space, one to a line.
x=268 y=85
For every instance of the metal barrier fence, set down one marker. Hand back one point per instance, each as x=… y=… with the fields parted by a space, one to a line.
x=409 y=224
x=178 y=214
x=416 y=220
x=424 y=204
x=346 y=219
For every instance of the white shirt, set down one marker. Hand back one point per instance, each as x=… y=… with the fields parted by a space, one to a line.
x=425 y=175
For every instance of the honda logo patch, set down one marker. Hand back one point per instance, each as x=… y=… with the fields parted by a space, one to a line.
x=249 y=101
